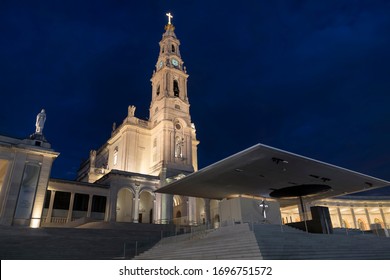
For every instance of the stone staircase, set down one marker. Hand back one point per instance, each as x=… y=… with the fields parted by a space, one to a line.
x=234 y=242
x=99 y=240
x=272 y=242
x=295 y=244
x=95 y=241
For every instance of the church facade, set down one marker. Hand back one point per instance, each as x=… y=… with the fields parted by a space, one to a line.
x=143 y=155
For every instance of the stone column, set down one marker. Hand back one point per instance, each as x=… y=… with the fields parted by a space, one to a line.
x=51 y=204
x=70 y=211
x=384 y=222
x=302 y=209
x=191 y=211
x=112 y=205
x=368 y=218
x=154 y=208
x=157 y=209
x=136 y=205
x=354 y=218
x=89 y=211
x=166 y=200
x=340 y=217
x=107 y=210
x=383 y=217
x=166 y=208
x=207 y=210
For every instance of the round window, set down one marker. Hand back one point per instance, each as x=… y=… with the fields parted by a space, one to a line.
x=178 y=126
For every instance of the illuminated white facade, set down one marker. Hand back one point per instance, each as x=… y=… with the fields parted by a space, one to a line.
x=162 y=148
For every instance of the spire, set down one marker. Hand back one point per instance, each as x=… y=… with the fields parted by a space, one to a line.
x=169 y=28
x=169 y=55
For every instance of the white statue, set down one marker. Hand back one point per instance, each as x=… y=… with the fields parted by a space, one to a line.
x=131 y=111
x=40 y=122
x=179 y=147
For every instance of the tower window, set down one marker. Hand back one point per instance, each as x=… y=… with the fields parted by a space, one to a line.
x=158 y=90
x=176 y=90
x=173 y=48
x=156 y=110
x=162 y=50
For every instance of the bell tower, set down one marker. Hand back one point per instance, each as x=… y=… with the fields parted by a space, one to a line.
x=174 y=143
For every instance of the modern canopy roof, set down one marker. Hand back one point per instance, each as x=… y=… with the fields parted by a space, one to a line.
x=260 y=169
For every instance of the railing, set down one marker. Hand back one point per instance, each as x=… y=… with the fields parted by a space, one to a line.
x=380 y=230
x=55 y=220
x=143 y=123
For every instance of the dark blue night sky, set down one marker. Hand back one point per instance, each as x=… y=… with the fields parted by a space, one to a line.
x=309 y=77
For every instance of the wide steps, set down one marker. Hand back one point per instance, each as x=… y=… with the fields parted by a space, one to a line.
x=68 y=244
x=275 y=244
x=236 y=242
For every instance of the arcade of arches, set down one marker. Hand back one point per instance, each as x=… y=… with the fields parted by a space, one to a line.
x=362 y=213
x=67 y=202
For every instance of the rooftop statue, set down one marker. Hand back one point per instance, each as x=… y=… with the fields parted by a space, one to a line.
x=40 y=122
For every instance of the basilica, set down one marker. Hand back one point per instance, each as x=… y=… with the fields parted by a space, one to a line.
x=121 y=181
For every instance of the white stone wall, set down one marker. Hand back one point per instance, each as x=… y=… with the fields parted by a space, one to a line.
x=15 y=155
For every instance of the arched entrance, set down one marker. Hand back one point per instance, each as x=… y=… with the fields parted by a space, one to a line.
x=124 y=205
x=179 y=210
x=145 y=207
x=378 y=223
x=362 y=224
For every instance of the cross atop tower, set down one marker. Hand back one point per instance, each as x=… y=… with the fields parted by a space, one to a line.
x=169 y=17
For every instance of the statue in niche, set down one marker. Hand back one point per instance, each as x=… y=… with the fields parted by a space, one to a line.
x=114 y=126
x=40 y=122
x=179 y=147
x=131 y=111
x=92 y=158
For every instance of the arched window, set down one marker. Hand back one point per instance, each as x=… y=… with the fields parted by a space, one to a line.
x=362 y=224
x=378 y=223
x=345 y=224
x=173 y=48
x=162 y=50
x=158 y=90
x=176 y=90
